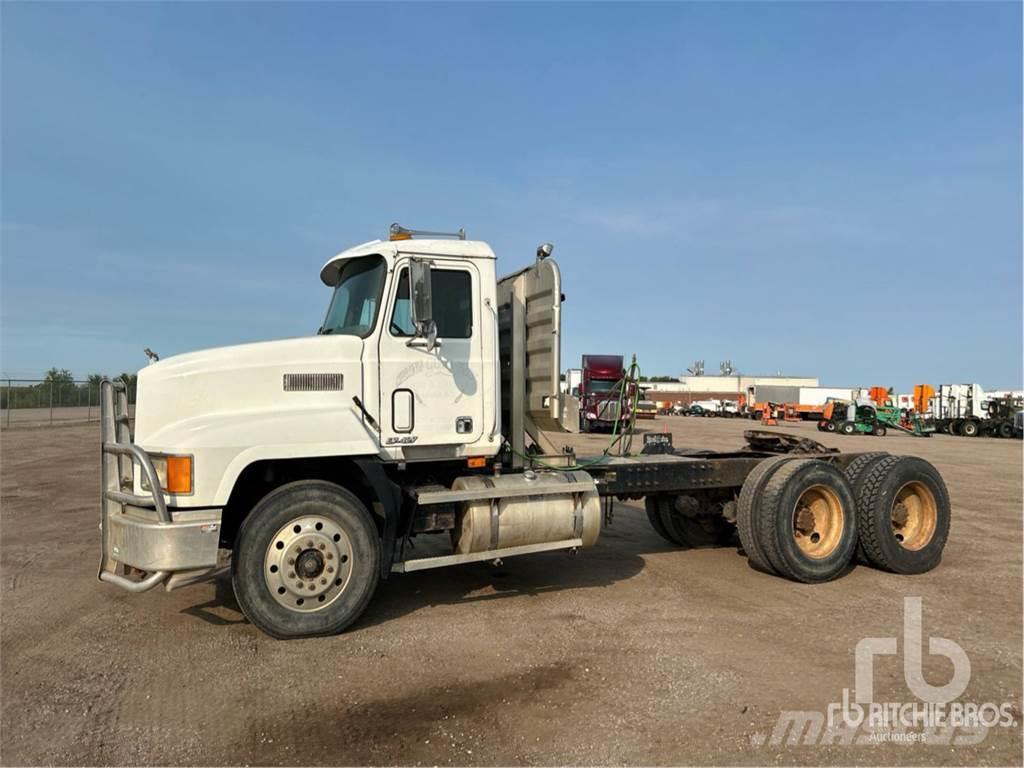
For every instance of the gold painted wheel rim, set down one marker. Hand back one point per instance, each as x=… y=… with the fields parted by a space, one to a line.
x=914 y=515
x=818 y=521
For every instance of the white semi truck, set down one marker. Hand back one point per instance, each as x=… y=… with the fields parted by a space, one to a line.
x=428 y=405
x=966 y=410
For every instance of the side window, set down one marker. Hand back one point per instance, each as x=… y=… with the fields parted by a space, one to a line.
x=453 y=304
x=401 y=315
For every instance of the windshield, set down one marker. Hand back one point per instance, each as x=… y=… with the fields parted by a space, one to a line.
x=603 y=385
x=353 y=309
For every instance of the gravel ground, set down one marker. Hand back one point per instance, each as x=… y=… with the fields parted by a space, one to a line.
x=631 y=652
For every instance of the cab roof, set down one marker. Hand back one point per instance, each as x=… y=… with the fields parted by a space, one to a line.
x=391 y=249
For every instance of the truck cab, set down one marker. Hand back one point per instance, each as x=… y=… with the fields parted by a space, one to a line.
x=425 y=367
x=604 y=397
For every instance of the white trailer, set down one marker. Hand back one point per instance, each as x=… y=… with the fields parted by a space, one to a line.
x=573 y=379
x=818 y=396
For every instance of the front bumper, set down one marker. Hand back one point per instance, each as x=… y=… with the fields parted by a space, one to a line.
x=139 y=532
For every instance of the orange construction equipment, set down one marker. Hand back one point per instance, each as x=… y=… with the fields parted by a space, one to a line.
x=923 y=393
x=879 y=395
x=791 y=412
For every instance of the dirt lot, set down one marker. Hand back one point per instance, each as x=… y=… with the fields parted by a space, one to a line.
x=632 y=652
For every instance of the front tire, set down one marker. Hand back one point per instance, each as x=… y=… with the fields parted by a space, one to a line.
x=306 y=560
x=969 y=428
x=848 y=428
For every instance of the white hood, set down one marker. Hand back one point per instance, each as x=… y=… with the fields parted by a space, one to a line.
x=228 y=406
x=245 y=378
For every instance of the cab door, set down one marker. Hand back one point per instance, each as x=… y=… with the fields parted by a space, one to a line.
x=432 y=397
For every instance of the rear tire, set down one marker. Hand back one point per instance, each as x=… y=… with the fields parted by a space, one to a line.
x=695 y=531
x=855 y=473
x=1005 y=429
x=954 y=427
x=831 y=427
x=848 y=428
x=904 y=512
x=807 y=520
x=334 y=539
x=652 y=504
x=746 y=524
x=879 y=430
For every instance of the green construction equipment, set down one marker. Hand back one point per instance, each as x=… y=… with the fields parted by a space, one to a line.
x=866 y=417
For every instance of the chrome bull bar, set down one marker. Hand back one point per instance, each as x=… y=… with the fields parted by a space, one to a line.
x=140 y=531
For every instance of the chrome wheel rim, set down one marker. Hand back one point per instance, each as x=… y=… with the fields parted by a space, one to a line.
x=308 y=564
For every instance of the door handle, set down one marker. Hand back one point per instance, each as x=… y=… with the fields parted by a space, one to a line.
x=419 y=343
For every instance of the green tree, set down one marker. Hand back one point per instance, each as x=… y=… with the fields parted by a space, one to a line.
x=59 y=377
x=58 y=388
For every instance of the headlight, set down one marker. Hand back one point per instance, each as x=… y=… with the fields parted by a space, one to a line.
x=173 y=472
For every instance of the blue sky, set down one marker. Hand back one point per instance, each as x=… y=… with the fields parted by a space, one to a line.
x=823 y=189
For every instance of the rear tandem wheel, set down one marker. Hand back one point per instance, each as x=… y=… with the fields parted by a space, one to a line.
x=806 y=521
x=904 y=511
x=691 y=531
x=746 y=512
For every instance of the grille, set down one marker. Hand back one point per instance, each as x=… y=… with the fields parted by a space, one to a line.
x=312 y=382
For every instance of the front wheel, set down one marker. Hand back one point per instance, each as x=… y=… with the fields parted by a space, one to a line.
x=969 y=428
x=848 y=428
x=306 y=560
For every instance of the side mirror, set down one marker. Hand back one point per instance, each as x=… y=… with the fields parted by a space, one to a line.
x=420 y=286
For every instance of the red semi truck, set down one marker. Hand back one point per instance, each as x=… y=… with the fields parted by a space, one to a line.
x=603 y=404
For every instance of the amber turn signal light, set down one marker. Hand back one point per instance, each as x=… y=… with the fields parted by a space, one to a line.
x=179 y=474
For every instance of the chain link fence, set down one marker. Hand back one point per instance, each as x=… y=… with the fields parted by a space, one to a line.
x=35 y=402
